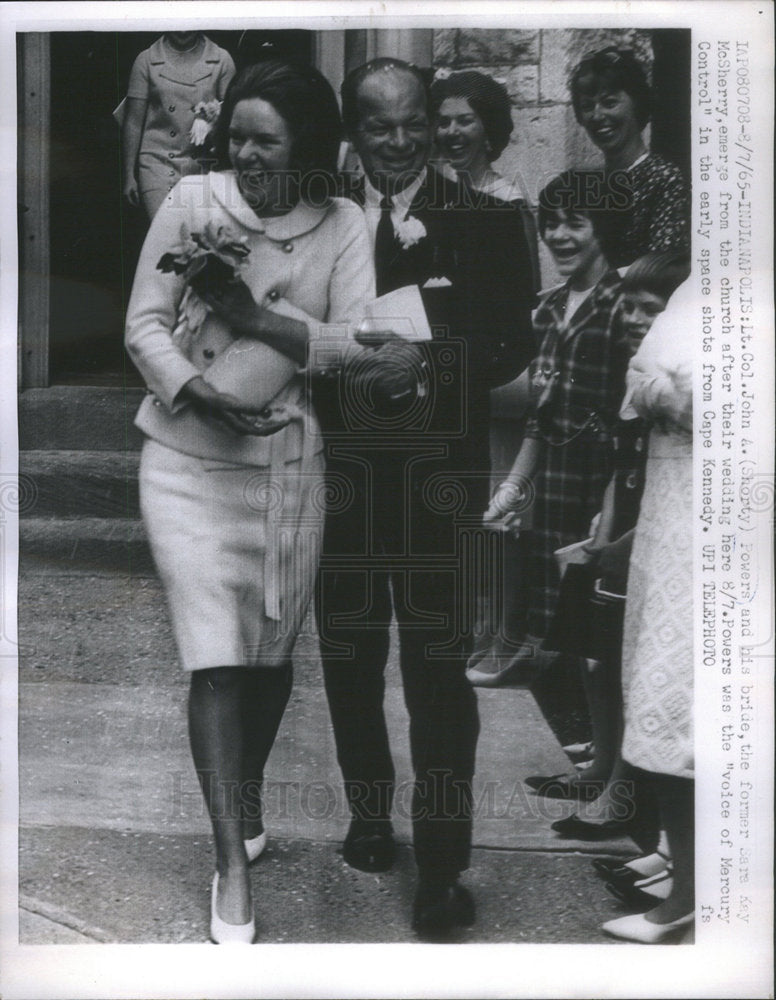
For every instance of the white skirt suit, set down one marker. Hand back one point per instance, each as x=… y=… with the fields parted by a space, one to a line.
x=234 y=521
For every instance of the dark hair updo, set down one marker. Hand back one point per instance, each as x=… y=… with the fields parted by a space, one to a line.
x=307 y=104
x=612 y=69
x=487 y=98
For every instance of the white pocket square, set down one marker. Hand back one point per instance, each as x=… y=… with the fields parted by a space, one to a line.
x=438 y=283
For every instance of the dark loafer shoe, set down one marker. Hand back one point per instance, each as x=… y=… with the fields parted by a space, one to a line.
x=613 y=867
x=635 y=899
x=579 y=829
x=369 y=846
x=561 y=786
x=439 y=910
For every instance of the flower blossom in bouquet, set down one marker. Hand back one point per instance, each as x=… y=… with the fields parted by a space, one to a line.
x=206 y=260
x=205 y=117
x=409 y=231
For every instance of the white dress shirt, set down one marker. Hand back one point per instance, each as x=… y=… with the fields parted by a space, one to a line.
x=401 y=203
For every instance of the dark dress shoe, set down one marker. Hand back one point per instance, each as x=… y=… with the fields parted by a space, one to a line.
x=440 y=909
x=578 y=829
x=369 y=846
x=609 y=867
x=635 y=899
x=561 y=786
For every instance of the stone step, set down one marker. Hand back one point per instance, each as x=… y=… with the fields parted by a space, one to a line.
x=75 y=417
x=93 y=545
x=79 y=484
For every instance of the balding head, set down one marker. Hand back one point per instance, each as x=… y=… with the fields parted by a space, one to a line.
x=385 y=106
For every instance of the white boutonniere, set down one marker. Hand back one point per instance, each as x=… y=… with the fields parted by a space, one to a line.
x=409 y=231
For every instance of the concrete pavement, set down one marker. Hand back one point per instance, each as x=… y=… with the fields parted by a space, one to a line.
x=114 y=842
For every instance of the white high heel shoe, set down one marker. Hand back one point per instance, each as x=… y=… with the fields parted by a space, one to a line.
x=254 y=847
x=636 y=927
x=223 y=933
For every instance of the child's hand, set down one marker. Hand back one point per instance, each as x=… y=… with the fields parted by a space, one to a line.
x=502 y=513
x=613 y=560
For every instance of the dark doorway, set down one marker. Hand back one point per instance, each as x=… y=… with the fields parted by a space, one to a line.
x=95 y=237
x=671 y=91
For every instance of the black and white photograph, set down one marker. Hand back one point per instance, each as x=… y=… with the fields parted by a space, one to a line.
x=386 y=499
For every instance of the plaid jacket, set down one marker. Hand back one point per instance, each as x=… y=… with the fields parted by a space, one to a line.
x=578 y=377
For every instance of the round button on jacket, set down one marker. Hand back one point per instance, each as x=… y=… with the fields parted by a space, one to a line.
x=274 y=295
x=209 y=354
x=288 y=247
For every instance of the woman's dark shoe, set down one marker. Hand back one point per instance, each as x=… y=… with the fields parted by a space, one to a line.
x=608 y=867
x=578 y=829
x=369 y=845
x=634 y=869
x=440 y=909
x=561 y=786
x=645 y=893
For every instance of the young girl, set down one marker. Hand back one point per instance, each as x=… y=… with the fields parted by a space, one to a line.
x=646 y=289
x=576 y=384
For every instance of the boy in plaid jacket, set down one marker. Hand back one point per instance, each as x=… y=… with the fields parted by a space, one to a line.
x=576 y=383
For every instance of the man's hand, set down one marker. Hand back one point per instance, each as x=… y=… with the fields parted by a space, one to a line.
x=391 y=374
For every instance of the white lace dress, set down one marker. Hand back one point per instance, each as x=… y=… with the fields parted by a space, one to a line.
x=657 y=661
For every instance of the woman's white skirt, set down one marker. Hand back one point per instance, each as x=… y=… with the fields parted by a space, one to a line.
x=237 y=549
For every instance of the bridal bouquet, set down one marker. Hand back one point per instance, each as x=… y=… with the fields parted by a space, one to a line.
x=208 y=261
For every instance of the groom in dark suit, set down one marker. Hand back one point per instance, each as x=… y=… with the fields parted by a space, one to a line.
x=408 y=483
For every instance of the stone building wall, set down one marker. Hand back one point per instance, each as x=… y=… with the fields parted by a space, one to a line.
x=534 y=66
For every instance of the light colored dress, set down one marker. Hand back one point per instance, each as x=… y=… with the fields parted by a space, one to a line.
x=657 y=661
x=235 y=521
x=171 y=83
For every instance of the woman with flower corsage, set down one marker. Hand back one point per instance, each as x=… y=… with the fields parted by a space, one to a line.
x=240 y=273
x=172 y=103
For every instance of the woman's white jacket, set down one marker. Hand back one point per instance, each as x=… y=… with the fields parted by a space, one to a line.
x=313 y=264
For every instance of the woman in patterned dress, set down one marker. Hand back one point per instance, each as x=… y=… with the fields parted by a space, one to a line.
x=612 y=98
x=657 y=660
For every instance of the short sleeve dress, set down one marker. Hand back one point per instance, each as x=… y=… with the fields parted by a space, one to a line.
x=171 y=83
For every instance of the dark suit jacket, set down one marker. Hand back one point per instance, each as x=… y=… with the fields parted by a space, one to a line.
x=480 y=320
x=480 y=246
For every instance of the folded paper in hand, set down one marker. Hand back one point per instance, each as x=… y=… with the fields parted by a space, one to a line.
x=401 y=311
